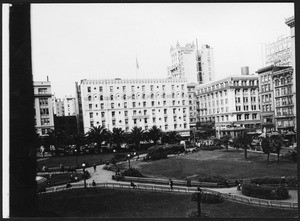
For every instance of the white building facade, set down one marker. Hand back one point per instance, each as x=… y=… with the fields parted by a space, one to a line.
x=43 y=107
x=232 y=103
x=135 y=102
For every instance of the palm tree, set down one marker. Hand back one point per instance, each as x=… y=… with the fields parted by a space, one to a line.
x=58 y=138
x=97 y=135
x=137 y=135
x=78 y=139
x=154 y=134
x=118 y=137
x=171 y=137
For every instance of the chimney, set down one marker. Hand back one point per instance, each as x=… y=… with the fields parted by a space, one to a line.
x=245 y=70
x=47 y=78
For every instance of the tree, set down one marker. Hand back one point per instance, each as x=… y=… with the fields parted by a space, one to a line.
x=266 y=147
x=58 y=138
x=137 y=135
x=171 y=137
x=225 y=141
x=154 y=134
x=78 y=139
x=97 y=135
x=118 y=137
x=276 y=144
x=243 y=140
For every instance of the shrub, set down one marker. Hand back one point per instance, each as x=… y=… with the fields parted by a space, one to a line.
x=290 y=181
x=157 y=153
x=214 y=179
x=192 y=213
x=174 y=149
x=132 y=172
x=264 y=192
x=119 y=157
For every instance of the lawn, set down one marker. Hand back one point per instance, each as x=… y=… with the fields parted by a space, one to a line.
x=106 y=203
x=54 y=161
x=231 y=165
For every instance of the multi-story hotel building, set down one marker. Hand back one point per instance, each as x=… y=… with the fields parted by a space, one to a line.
x=125 y=103
x=43 y=107
x=59 y=109
x=183 y=62
x=189 y=62
x=232 y=103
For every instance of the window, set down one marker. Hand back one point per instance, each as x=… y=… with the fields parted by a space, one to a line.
x=113 y=114
x=153 y=119
x=246 y=116
x=113 y=122
x=151 y=87
x=43 y=101
x=143 y=87
x=134 y=112
x=102 y=114
x=133 y=96
x=145 y=120
x=111 y=88
x=92 y=123
x=254 y=116
x=89 y=89
x=100 y=88
x=124 y=88
x=111 y=97
x=163 y=87
x=239 y=117
x=133 y=104
x=152 y=103
x=91 y=115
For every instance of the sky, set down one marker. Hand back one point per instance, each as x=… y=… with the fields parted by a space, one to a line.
x=71 y=42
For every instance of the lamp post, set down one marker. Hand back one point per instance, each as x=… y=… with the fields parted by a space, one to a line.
x=83 y=168
x=283 y=180
x=76 y=157
x=128 y=160
x=199 y=192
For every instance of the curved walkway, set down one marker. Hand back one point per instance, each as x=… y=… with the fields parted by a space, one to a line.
x=101 y=176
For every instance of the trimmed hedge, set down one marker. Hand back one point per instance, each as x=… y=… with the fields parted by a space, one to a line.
x=157 y=153
x=265 y=192
x=132 y=172
x=214 y=179
x=290 y=181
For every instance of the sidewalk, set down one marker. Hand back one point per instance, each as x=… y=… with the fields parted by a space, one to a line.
x=101 y=175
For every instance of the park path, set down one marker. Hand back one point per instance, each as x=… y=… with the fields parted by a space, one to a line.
x=101 y=176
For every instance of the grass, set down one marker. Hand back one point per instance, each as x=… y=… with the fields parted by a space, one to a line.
x=100 y=202
x=70 y=160
x=231 y=165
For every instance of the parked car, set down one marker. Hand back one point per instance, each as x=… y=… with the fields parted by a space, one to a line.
x=41 y=183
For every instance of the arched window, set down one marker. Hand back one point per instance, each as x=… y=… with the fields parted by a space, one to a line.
x=282 y=81
x=152 y=96
x=182 y=94
x=124 y=96
x=133 y=96
x=173 y=95
x=89 y=98
x=144 y=96
x=164 y=95
x=111 y=97
x=101 y=97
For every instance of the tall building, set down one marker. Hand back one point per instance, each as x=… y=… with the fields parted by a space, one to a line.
x=232 y=103
x=183 y=62
x=266 y=95
x=205 y=65
x=43 y=106
x=135 y=102
x=65 y=106
x=192 y=104
x=284 y=96
x=189 y=62
x=245 y=70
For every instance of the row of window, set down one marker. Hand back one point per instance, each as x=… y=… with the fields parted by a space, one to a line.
x=283 y=91
x=135 y=104
x=284 y=101
x=282 y=81
x=284 y=111
x=204 y=105
x=267 y=107
x=246 y=108
x=266 y=98
x=246 y=117
x=133 y=96
x=266 y=87
x=245 y=99
x=133 y=87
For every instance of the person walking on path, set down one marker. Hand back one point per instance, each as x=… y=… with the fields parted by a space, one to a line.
x=171 y=183
x=94 y=167
x=68 y=186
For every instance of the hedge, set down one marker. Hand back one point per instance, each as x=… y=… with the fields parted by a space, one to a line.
x=265 y=192
x=214 y=179
x=290 y=181
x=132 y=172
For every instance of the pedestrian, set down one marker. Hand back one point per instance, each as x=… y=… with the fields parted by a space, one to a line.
x=188 y=183
x=171 y=183
x=95 y=167
x=132 y=184
x=94 y=183
x=68 y=186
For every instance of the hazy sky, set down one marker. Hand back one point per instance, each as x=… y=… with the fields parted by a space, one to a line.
x=92 y=41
